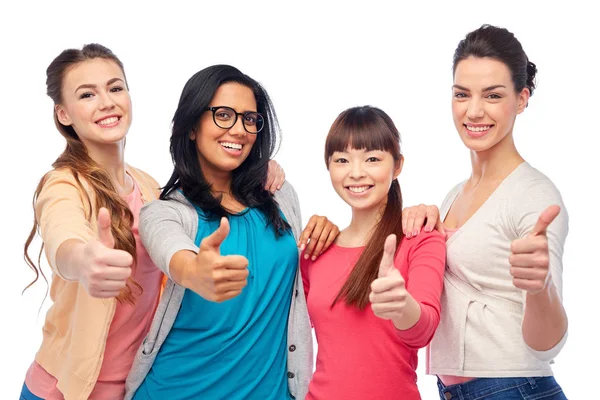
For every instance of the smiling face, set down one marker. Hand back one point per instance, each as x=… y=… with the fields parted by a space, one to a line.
x=363 y=178
x=485 y=103
x=96 y=102
x=223 y=150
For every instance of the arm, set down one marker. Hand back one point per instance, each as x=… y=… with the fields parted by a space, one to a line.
x=304 y=263
x=414 y=308
x=166 y=229
x=425 y=282
x=320 y=231
x=536 y=266
x=74 y=251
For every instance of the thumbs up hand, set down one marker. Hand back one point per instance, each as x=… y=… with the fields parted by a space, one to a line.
x=388 y=295
x=529 y=259
x=213 y=276
x=104 y=270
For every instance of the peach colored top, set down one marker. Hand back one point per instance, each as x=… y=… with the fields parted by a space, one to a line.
x=79 y=328
x=127 y=330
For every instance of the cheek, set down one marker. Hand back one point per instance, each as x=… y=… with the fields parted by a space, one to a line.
x=336 y=176
x=458 y=110
x=501 y=113
x=251 y=140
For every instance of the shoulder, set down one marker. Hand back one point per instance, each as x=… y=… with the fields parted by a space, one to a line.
x=530 y=182
x=144 y=179
x=175 y=202
x=64 y=183
x=287 y=194
x=452 y=195
x=431 y=242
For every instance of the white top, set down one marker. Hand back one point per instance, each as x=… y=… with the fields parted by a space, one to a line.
x=480 y=329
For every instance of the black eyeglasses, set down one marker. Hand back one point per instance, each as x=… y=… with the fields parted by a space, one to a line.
x=226 y=117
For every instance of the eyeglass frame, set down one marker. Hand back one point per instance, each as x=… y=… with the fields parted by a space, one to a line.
x=214 y=109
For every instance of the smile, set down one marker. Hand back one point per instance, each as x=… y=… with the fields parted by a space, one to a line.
x=109 y=122
x=359 y=190
x=477 y=131
x=234 y=149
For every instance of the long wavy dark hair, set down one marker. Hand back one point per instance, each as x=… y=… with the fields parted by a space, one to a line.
x=249 y=179
x=368 y=128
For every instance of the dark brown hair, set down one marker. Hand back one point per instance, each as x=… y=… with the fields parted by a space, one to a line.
x=368 y=128
x=76 y=159
x=499 y=44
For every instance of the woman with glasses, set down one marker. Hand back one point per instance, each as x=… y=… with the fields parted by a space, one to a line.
x=232 y=322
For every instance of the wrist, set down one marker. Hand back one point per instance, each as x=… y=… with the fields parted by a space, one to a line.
x=410 y=315
x=180 y=265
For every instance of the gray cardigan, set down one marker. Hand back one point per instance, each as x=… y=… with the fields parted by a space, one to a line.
x=167 y=227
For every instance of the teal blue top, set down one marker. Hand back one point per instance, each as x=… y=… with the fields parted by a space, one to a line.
x=235 y=349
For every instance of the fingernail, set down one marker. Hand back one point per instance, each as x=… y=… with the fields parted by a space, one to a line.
x=278 y=187
x=313 y=258
x=306 y=256
x=428 y=229
x=415 y=233
x=302 y=246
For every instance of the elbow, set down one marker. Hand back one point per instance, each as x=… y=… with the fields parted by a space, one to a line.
x=550 y=354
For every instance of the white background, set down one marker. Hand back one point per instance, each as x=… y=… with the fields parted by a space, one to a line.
x=315 y=60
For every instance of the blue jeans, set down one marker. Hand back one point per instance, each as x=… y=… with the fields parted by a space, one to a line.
x=538 y=388
x=27 y=395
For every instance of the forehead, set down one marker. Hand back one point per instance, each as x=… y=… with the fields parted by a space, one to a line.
x=239 y=97
x=475 y=73
x=94 y=72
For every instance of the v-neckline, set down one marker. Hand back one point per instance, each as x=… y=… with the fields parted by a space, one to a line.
x=461 y=228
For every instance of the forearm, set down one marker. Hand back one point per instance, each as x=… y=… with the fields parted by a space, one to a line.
x=545 y=319
x=69 y=258
x=410 y=315
x=179 y=265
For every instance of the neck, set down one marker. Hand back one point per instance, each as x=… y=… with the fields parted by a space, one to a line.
x=495 y=163
x=220 y=181
x=363 y=223
x=112 y=159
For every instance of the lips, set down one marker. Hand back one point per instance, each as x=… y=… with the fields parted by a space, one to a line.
x=109 y=121
x=232 y=148
x=477 y=130
x=358 y=190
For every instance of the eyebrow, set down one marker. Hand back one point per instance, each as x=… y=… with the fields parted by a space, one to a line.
x=487 y=89
x=92 y=86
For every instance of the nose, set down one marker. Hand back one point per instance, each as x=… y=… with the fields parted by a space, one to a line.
x=238 y=128
x=356 y=171
x=106 y=100
x=475 y=109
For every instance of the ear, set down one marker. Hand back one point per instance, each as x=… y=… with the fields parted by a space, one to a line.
x=399 y=165
x=523 y=100
x=193 y=135
x=62 y=115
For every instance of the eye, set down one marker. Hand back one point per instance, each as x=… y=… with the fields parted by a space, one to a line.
x=460 y=95
x=250 y=118
x=494 y=96
x=223 y=114
x=373 y=159
x=86 y=95
x=116 y=89
x=340 y=160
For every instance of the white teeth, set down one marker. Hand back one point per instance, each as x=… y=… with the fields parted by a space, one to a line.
x=229 y=145
x=478 y=128
x=358 y=189
x=108 y=121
